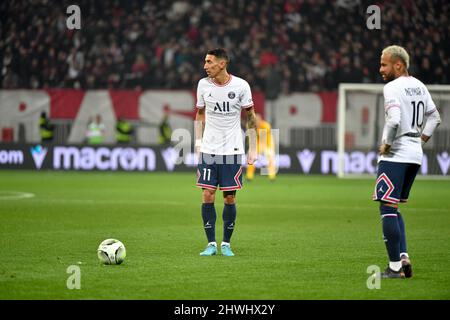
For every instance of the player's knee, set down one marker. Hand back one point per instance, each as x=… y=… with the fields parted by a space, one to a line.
x=229 y=197
x=388 y=209
x=209 y=195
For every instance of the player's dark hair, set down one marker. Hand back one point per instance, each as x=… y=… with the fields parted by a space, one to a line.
x=220 y=53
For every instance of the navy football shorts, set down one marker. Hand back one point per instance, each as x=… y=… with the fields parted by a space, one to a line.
x=219 y=170
x=394 y=181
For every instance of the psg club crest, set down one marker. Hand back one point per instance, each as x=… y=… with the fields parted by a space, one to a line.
x=231 y=95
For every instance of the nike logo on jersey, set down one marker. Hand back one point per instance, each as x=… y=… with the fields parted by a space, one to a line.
x=381 y=189
x=207 y=225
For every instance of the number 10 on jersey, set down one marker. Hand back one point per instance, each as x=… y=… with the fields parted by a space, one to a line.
x=417 y=118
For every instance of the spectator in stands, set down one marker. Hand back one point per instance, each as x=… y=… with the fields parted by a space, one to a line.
x=323 y=40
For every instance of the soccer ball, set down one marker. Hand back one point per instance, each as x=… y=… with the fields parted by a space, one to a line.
x=111 y=251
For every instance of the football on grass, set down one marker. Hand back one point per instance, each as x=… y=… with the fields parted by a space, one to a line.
x=111 y=251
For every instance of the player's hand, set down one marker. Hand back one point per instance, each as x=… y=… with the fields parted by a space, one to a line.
x=424 y=139
x=385 y=149
x=251 y=157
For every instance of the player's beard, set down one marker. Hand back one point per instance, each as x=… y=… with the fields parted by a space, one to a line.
x=389 y=76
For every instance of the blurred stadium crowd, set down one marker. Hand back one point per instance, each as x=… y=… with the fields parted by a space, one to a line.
x=300 y=45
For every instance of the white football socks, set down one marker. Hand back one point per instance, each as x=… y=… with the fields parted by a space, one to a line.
x=396 y=265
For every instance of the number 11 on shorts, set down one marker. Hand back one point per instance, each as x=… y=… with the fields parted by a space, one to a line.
x=204 y=174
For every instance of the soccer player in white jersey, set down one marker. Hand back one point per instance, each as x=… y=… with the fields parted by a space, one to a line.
x=410 y=120
x=219 y=144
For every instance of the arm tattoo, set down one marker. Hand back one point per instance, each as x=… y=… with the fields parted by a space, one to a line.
x=251 y=131
x=251 y=119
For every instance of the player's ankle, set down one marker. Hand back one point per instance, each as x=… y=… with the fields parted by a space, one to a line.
x=395 y=265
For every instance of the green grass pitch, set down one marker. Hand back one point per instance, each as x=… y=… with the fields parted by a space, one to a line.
x=301 y=237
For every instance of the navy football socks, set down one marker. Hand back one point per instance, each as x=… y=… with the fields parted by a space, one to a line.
x=401 y=225
x=209 y=221
x=391 y=232
x=229 y=218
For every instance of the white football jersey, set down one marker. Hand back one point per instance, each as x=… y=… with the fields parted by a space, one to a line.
x=223 y=104
x=407 y=100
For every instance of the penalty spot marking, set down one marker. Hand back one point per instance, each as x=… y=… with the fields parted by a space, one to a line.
x=13 y=195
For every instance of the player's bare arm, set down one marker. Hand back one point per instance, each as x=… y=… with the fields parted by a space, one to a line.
x=199 y=125
x=251 y=131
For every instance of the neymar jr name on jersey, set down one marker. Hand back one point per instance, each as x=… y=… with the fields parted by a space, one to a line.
x=411 y=92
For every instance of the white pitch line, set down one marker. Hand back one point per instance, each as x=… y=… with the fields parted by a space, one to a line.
x=14 y=195
x=373 y=207
x=92 y=201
